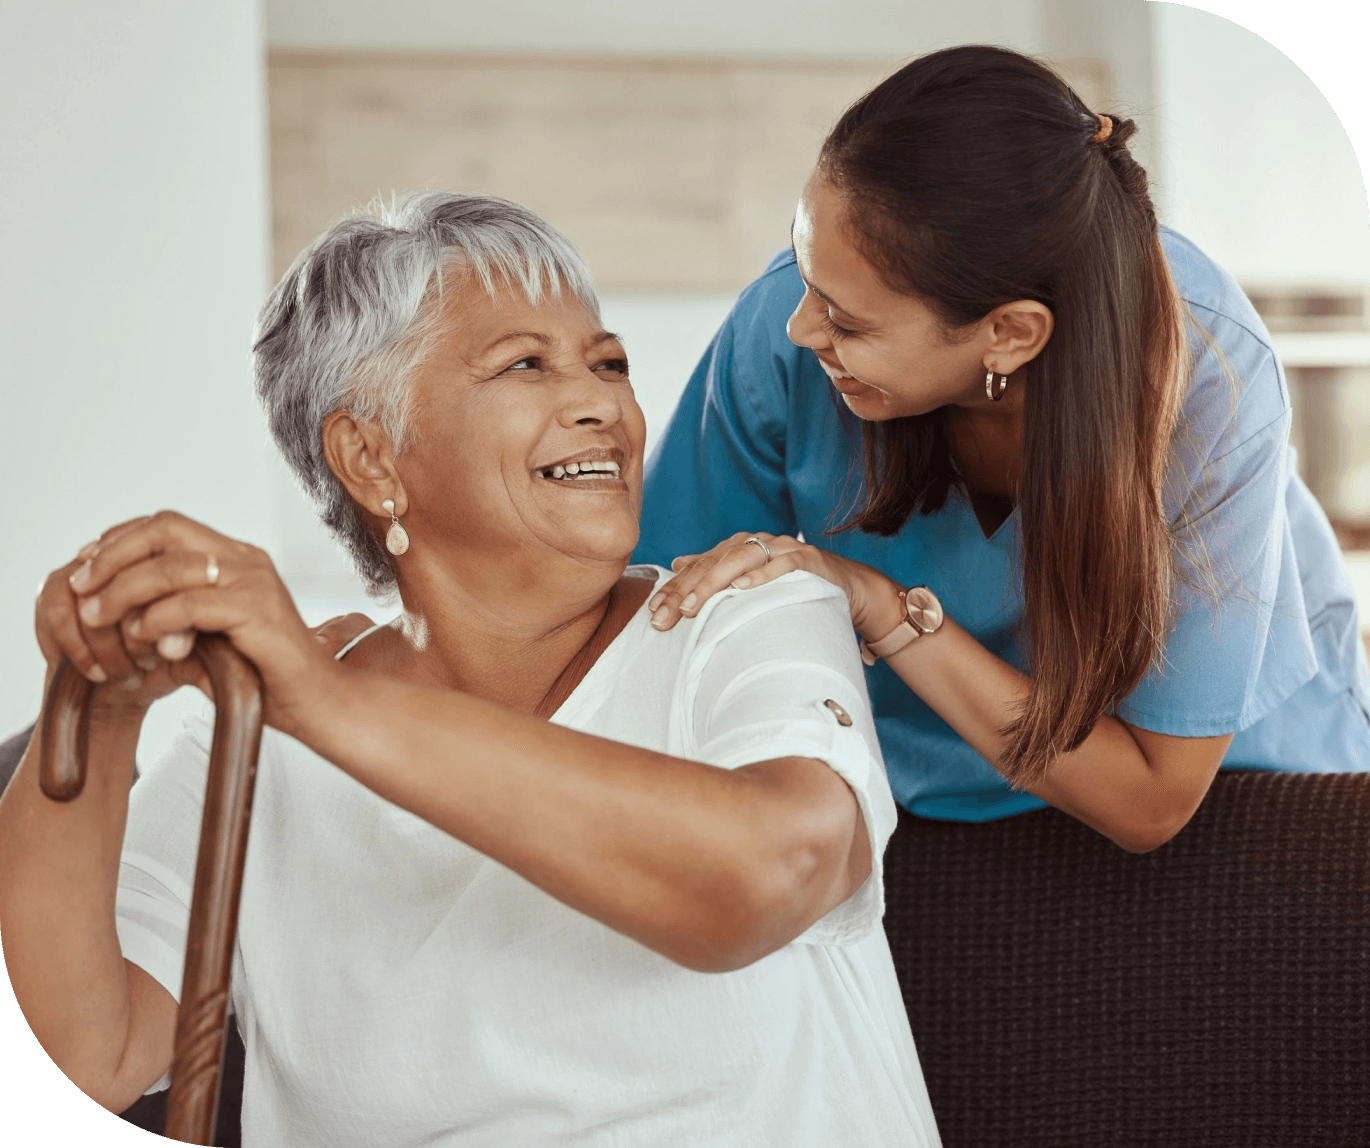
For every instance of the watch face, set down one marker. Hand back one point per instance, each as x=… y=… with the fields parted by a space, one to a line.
x=924 y=610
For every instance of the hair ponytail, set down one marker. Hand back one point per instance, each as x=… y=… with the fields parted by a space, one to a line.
x=973 y=177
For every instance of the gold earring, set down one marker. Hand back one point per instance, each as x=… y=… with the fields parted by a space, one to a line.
x=990 y=391
x=396 y=538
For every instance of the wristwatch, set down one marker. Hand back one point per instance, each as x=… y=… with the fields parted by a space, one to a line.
x=922 y=615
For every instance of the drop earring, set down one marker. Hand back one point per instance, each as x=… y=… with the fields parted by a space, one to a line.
x=396 y=538
x=991 y=392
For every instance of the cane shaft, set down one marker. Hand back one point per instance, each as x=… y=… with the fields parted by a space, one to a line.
x=201 y=1019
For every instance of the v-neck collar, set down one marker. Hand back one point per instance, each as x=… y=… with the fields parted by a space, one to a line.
x=968 y=508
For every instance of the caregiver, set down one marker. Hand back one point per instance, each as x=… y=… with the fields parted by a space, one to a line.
x=1069 y=424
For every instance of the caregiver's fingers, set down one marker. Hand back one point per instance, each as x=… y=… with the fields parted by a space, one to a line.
x=736 y=562
x=691 y=562
x=681 y=566
x=741 y=567
x=143 y=538
x=665 y=603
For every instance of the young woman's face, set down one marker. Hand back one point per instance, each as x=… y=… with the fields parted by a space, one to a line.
x=887 y=353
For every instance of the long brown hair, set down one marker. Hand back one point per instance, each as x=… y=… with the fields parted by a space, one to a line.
x=972 y=178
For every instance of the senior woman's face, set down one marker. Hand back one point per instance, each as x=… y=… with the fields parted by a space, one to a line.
x=527 y=438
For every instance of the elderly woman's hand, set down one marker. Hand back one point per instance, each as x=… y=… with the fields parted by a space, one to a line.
x=102 y=653
x=745 y=561
x=146 y=588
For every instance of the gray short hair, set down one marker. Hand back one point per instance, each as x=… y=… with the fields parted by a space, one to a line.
x=356 y=313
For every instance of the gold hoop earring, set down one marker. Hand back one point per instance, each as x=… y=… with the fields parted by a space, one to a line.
x=993 y=393
x=397 y=537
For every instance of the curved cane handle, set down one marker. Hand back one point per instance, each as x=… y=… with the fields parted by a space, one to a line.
x=64 y=746
x=200 y=1022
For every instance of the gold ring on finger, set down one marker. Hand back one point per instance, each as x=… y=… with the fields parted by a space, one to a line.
x=211 y=570
x=766 y=550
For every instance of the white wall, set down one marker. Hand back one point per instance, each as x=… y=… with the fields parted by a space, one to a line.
x=657 y=27
x=134 y=229
x=664 y=333
x=1257 y=168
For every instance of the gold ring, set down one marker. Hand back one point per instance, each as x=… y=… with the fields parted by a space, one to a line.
x=766 y=550
x=211 y=570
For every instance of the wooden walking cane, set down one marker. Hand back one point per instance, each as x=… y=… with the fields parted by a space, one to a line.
x=202 y=1020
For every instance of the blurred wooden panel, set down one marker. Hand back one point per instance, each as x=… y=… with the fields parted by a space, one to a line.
x=666 y=173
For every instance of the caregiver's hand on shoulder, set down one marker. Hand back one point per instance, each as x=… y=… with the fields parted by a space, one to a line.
x=872 y=597
x=157 y=581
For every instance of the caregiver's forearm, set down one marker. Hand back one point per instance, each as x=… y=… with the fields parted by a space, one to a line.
x=59 y=864
x=1136 y=788
x=713 y=868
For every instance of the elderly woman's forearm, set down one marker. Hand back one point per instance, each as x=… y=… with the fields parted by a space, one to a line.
x=60 y=863
x=713 y=868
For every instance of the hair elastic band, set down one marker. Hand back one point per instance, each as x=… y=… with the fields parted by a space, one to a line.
x=1105 y=129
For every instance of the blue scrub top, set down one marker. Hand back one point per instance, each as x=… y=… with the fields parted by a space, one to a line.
x=759 y=442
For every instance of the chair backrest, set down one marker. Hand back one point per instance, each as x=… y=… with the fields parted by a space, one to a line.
x=11 y=753
x=1216 y=991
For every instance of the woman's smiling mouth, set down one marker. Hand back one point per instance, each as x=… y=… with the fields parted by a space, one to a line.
x=845 y=383
x=587 y=470
x=581 y=472
x=851 y=386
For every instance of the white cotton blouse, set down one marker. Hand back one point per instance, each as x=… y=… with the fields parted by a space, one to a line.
x=395 y=986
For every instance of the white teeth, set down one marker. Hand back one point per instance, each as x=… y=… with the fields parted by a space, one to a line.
x=582 y=470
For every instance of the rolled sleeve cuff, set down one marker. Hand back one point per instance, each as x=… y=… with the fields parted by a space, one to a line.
x=845 y=750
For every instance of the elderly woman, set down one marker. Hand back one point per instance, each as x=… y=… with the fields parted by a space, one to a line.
x=653 y=918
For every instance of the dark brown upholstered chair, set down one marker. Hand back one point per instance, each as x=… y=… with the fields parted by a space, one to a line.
x=1064 y=993
x=1215 y=992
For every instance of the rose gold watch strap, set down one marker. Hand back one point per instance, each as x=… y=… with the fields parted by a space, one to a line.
x=891 y=643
